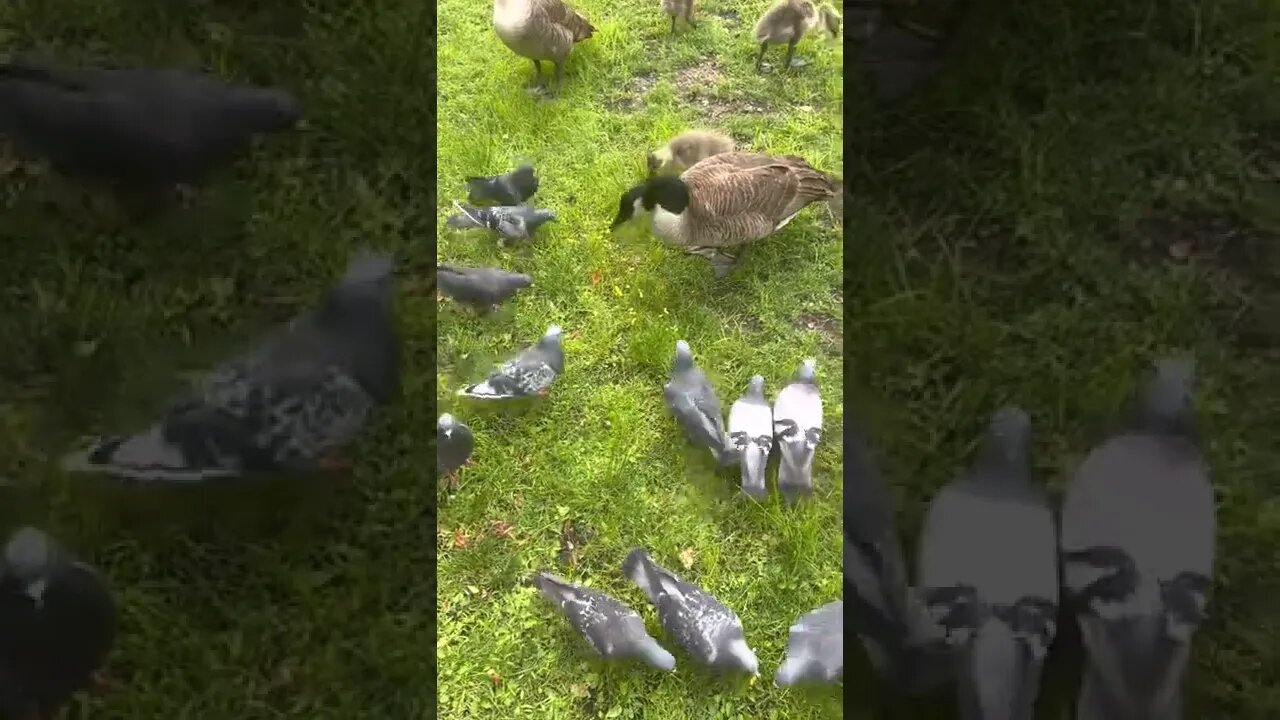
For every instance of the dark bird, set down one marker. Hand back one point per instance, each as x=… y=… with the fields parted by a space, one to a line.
x=293 y=403
x=483 y=288
x=1138 y=545
x=693 y=402
x=890 y=618
x=613 y=630
x=511 y=189
x=989 y=570
x=57 y=625
x=530 y=373
x=513 y=222
x=454 y=445
x=146 y=128
x=701 y=624
x=815 y=647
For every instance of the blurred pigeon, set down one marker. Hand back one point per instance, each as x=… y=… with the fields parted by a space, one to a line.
x=454 y=443
x=900 y=638
x=57 y=626
x=751 y=436
x=293 y=403
x=704 y=627
x=145 y=127
x=511 y=189
x=989 y=571
x=1138 y=546
x=530 y=373
x=797 y=423
x=694 y=404
x=613 y=630
x=514 y=222
x=815 y=647
x=480 y=287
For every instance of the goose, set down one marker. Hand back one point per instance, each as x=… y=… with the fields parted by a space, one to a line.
x=685 y=150
x=540 y=30
x=786 y=21
x=727 y=201
x=678 y=9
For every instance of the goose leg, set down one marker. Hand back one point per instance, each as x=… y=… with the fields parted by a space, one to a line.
x=559 y=75
x=721 y=264
x=688 y=15
x=673 y=24
x=791 y=51
x=760 y=56
x=537 y=73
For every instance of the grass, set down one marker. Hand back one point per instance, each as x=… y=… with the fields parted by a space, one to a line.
x=601 y=453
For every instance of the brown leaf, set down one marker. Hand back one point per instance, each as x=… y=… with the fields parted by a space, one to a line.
x=461 y=539
x=596 y=277
x=502 y=529
x=687 y=556
x=495 y=678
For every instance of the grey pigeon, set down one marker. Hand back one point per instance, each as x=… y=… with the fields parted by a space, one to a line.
x=700 y=623
x=1138 y=545
x=815 y=647
x=293 y=403
x=517 y=222
x=613 y=630
x=694 y=404
x=988 y=570
x=57 y=625
x=751 y=436
x=530 y=373
x=511 y=189
x=890 y=618
x=454 y=444
x=797 y=423
x=145 y=127
x=480 y=287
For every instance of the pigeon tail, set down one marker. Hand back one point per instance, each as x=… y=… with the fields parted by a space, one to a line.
x=637 y=567
x=655 y=655
x=145 y=457
x=753 y=467
x=483 y=391
x=991 y=670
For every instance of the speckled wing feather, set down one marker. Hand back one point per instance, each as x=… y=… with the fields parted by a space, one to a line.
x=691 y=615
x=705 y=423
x=596 y=616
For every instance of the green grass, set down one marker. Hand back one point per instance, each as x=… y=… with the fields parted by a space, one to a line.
x=602 y=452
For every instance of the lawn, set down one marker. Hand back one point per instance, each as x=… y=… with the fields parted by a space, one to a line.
x=601 y=455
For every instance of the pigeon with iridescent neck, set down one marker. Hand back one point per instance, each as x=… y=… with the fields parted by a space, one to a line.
x=797 y=424
x=1138 y=545
x=988 y=570
x=613 y=630
x=701 y=624
x=530 y=373
x=815 y=647
x=57 y=625
x=751 y=436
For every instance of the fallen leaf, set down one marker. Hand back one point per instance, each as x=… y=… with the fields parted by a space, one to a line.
x=502 y=529
x=461 y=539
x=495 y=678
x=687 y=556
x=596 y=277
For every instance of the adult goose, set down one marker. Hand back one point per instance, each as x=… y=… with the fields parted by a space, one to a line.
x=540 y=30
x=726 y=201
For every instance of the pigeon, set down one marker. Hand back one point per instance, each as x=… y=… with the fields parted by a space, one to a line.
x=815 y=647
x=57 y=625
x=454 y=443
x=483 y=288
x=613 y=630
x=1138 y=546
x=903 y=643
x=530 y=373
x=292 y=403
x=988 y=569
x=511 y=222
x=701 y=624
x=511 y=189
x=751 y=436
x=147 y=128
x=694 y=404
x=797 y=423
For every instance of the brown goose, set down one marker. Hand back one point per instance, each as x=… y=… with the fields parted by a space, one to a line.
x=727 y=201
x=679 y=9
x=686 y=149
x=786 y=21
x=540 y=30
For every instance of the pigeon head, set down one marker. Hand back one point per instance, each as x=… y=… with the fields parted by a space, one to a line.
x=755 y=386
x=684 y=357
x=519 y=280
x=1165 y=402
x=648 y=650
x=739 y=655
x=1008 y=437
x=525 y=180
x=808 y=372
x=267 y=110
x=29 y=556
x=445 y=424
x=551 y=338
x=629 y=205
x=669 y=193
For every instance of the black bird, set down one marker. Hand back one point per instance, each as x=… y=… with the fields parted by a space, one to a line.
x=482 y=288
x=57 y=625
x=511 y=189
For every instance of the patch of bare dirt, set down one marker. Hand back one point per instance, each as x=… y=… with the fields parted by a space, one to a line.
x=831 y=329
x=696 y=83
x=632 y=95
x=730 y=18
